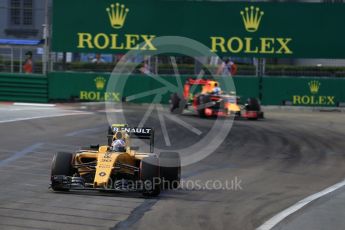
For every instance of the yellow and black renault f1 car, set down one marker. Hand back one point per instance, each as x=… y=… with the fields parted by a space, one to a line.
x=117 y=167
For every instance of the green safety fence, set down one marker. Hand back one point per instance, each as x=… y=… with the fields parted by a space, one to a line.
x=303 y=91
x=23 y=87
x=65 y=86
x=299 y=91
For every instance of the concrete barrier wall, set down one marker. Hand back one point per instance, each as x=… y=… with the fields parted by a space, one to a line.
x=64 y=86
x=303 y=91
x=276 y=90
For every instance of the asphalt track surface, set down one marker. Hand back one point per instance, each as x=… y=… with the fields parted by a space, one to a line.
x=276 y=162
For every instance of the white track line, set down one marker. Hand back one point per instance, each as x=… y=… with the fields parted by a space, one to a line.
x=34 y=104
x=47 y=116
x=269 y=224
x=20 y=154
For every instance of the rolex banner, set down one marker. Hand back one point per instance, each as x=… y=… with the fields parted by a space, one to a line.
x=304 y=30
x=277 y=90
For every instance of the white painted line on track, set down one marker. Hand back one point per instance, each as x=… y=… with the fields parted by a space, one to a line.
x=28 y=109
x=20 y=154
x=34 y=104
x=46 y=116
x=111 y=110
x=269 y=224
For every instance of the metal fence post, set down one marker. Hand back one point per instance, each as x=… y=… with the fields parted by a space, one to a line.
x=21 y=60
x=45 y=37
x=260 y=71
x=11 y=59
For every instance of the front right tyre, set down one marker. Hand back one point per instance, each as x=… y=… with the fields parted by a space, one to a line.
x=170 y=169
x=149 y=176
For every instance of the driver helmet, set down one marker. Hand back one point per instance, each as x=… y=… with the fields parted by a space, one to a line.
x=119 y=145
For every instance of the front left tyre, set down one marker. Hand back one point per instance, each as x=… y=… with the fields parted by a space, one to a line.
x=61 y=166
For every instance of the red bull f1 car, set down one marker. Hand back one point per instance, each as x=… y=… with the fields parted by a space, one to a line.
x=208 y=101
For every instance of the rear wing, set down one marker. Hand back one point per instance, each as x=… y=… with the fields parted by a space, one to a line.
x=133 y=132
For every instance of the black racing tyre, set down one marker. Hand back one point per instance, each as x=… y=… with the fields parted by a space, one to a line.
x=261 y=115
x=253 y=104
x=110 y=136
x=182 y=105
x=170 y=169
x=202 y=100
x=201 y=113
x=149 y=175
x=61 y=165
x=176 y=103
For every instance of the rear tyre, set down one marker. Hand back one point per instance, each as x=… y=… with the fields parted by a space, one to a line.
x=253 y=104
x=202 y=100
x=177 y=105
x=201 y=113
x=170 y=169
x=261 y=115
x=110 y=136
x=61 y=166
x=149 y=175
x=174 y=102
